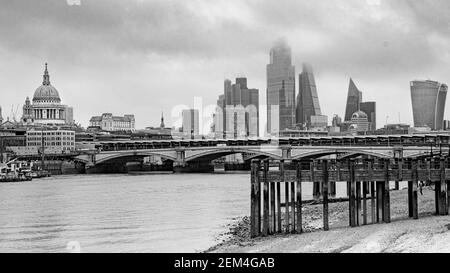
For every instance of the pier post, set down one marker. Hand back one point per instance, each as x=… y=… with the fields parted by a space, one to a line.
x=316 y=185
x=265 y=230
x=286 y=206
x=299 y=198
x=414 y=203
x=282 y=179
x=447 y=182
x=364 y=192
x=325 y=194
x=379 y=201
x=410 y=197
x=273 y=217
x=255 y=200
x=386 y=193
x=358 y=202
x=352 y=203
x=293 y=205
x=372 y=189
x=442 y=193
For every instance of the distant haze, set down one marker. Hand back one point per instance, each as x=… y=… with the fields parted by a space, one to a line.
x=144 y=57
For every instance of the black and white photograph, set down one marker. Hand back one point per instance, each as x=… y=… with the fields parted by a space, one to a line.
x=224 y=127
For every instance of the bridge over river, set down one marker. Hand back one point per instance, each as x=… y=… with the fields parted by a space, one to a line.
x=197 y=155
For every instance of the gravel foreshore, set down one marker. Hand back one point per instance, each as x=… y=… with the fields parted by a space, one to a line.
x=430 y=233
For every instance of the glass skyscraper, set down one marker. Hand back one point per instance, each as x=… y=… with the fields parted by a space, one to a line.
x=307 y=98
x=428 y=103
x=354 y=98
x=280 y=89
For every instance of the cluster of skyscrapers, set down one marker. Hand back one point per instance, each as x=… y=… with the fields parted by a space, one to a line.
x=238 y=114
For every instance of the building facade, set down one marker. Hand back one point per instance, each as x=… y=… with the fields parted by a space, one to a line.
x=280 y=89
x=108 y=122
x=53 y=141
x=191 y=123
x=46 y=107
x=369 y=107
x=359 y=122
x=307 y=98
x=428 y=103
x=237 y=112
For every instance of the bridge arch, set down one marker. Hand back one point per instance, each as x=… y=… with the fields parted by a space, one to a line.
x=349 y=153
x=103 y=158
x=210 y=155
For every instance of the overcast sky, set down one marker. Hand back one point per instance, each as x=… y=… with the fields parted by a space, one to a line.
x=143 y=57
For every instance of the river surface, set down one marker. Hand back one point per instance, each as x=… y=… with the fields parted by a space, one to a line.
x=124 y=213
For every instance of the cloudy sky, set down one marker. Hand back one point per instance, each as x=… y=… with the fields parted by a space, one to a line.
x=144 y=57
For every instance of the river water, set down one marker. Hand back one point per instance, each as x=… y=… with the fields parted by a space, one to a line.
x=123 y=213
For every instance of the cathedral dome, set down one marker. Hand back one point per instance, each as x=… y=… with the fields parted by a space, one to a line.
x=46 y=93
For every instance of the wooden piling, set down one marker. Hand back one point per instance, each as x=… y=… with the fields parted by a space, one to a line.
x=316 y=185
x=379 y=201
x=273 y=217
x=286 y=207
x=299 y=198
x=358 y=202
x=265 y=230
x=372 y=189
x=352 y=203
x=255 y=200
x=325 y=194
x=279 y=195
x=442 y=193
x=293 y=205
x=364 y=200
x=447 y=182
x=410 y=198
x=386 y=194
x=415 y=209
x=372 y=201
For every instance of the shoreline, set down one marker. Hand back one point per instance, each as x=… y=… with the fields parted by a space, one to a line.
x=429 y=233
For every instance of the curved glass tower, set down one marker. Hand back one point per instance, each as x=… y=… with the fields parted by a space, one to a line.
x=428 y=103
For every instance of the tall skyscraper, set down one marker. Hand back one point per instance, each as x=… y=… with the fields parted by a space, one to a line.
x=307 y=98
x=237 y=113
x=354 y=98
x=190 y=119
x=428 y=103
x=280 y=89
x=355 y=103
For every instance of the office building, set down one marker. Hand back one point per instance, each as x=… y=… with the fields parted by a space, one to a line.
x=307 y=98
x=428 y=103
x=280 y=89
x=237 y=112
x=111 y=123
x=190 y=121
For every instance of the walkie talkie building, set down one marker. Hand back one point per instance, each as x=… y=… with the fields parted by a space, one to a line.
x=428 y=103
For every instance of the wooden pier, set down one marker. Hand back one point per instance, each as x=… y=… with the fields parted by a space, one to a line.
x=368 y=182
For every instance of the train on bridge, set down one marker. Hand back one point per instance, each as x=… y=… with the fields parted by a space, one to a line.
x=426 y=140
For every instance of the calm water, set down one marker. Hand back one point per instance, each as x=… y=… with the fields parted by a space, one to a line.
x=123 y=213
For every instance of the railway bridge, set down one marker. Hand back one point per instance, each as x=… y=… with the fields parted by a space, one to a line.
x=197 y=155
